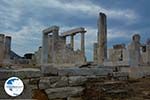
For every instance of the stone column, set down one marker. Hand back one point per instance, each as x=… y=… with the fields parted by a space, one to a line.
x=54 y=44
x=44 y=57
x=45 y=48
x=102 y=38
x=72 y=41
x=2 y=48
x=7 y=47
x=82 y=44
x=134 y=51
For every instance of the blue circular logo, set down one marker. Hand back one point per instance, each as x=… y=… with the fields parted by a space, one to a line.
x=14 y=86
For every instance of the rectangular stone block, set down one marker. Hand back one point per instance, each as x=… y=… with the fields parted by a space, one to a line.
x=53 y=81
x=77 y=80
x=120 y=74
x=49 y=69
x=84 y=71
x=137 y=72
x=64 y=92
x=21 y=73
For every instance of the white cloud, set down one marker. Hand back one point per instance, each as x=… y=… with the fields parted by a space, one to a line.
x=80 y=8
x=28 y=38
x=30 y=32
x=86 y=7
x=9 y=14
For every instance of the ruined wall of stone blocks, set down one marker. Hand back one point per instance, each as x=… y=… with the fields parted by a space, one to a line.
x=132 y=54
x=125 y=55
x=69 y=83
x=57 y=83
x=2 y=48
x=95 y=49
x=36 y=59
x=116 y=55
x=74 y=83
x=5 y=49
x=145 y=54
x=61 y=54
x=51 y=83
x=50 y=55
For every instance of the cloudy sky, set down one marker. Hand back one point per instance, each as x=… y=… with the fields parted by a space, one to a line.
x=24 y=20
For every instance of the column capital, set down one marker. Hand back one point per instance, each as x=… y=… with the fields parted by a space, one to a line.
x=83 y=32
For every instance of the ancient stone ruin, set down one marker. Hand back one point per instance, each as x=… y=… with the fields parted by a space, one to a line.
x=56 y=71
x=55 y=50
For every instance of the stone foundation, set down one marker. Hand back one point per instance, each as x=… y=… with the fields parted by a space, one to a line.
x=57 y=84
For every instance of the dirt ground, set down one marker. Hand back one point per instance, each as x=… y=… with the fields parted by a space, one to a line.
x=133 y=89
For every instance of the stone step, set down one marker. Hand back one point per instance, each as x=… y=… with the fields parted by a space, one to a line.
x=21 y=73
x=50 y=70
x=64 y=92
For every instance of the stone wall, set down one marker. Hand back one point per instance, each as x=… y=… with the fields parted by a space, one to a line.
x=74 y=83
x=62 y=54
x=27 y=75
x=5 y=49
x=52 y=83
x=69 y=83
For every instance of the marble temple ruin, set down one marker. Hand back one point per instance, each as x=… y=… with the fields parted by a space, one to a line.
x=55 y=50
x=56 y=71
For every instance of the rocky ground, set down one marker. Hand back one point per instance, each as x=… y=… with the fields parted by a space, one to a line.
x=132 y=89
x=78 y=84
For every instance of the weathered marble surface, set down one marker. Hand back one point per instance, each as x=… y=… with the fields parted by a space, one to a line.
x=53 y=81
x=102 y=38
x=21 y=73
x=99 y=71
x=64 y=92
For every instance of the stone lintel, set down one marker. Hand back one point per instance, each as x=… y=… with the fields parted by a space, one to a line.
x=50 y=29
x=74 y=31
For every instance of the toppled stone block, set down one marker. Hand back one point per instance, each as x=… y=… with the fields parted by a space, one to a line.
x=21 y=73
x=120 y=75
x=53 y=81
x=75 y=71
x=64 y=92
x=77 y=80
x=49 y=70
x=137 y=72
x=84 y=71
